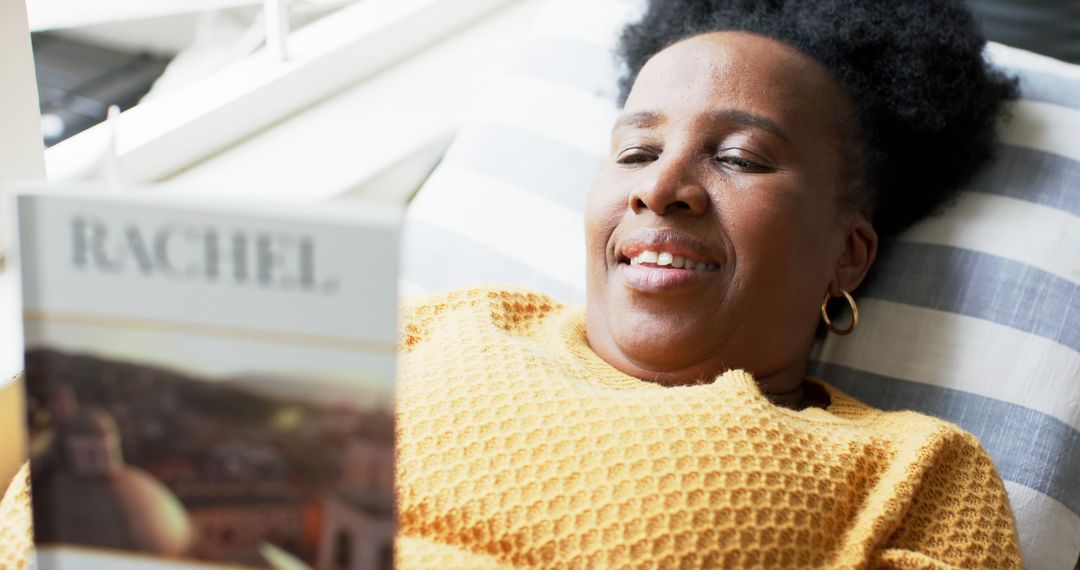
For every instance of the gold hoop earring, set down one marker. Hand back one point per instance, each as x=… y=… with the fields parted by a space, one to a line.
x=854 y=314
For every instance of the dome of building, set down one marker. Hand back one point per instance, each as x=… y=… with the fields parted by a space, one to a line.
x=92 y=497
x=127 y=509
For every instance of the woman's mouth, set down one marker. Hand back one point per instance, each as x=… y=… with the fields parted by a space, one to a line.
x=649 y=258
x=657 y=260
x=653 y=271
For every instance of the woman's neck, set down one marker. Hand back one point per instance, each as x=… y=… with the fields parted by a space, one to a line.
x=783 y=388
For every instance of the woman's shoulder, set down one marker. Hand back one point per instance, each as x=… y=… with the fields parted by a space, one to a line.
x=934 y=436
x=951 y=483
x=475 y=295
x=508 y=308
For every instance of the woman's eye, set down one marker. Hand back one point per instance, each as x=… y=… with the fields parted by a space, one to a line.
x=741 y=162
x=635 y=156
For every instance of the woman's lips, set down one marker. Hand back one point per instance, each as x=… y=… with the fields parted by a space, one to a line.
x=658 y=260
x=653 y=242
x=653 y=279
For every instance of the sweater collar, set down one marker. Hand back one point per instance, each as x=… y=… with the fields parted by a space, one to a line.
x=593 y=372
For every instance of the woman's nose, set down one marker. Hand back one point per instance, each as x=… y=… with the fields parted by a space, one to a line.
x=673 y=187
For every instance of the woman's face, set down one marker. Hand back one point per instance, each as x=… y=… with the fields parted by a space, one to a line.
x=731 y=159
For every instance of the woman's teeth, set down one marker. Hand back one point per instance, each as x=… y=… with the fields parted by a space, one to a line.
x=663 y=259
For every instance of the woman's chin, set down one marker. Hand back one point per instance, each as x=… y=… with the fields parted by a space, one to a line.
x=666 y=330
x=665 y=349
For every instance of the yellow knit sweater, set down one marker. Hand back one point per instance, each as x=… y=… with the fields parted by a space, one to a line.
x=519 y=447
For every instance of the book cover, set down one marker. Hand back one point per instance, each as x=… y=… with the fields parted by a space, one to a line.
x=209 y=385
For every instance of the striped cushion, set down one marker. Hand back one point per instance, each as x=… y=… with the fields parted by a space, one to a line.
x=976 y=316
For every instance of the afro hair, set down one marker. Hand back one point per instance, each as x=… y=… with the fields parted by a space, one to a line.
x=927 y=103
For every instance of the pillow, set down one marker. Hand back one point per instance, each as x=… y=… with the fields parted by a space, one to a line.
x=975 y=317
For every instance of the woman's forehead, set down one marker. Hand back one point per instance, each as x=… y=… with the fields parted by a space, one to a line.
x=734 y=71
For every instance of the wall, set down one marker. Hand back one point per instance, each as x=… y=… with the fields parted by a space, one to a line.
x=21 y=156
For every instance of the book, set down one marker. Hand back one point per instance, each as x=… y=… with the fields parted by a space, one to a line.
x=208 y=385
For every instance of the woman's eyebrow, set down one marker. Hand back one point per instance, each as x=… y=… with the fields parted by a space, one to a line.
x=749 y=119
x=639 y=120
x=647 y=119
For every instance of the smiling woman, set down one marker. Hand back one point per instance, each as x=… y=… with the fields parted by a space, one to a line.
x=730 y=153
x=758 y=166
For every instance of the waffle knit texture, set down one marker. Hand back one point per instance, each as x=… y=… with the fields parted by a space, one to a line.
x=518 y=447
x=16 y=520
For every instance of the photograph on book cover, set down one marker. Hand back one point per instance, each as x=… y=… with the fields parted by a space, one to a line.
x=227 y=415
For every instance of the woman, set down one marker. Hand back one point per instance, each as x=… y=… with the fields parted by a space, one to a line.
x=765 y=152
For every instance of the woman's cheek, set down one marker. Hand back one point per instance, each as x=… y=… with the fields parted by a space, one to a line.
x=603 y=213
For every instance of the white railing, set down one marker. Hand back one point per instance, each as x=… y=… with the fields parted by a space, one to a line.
x=167 y=134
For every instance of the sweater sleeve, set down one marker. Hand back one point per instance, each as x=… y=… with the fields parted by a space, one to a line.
x=16 y=536
x=959 y=517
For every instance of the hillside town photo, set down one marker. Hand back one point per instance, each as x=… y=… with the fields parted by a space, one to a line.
x=251 y=471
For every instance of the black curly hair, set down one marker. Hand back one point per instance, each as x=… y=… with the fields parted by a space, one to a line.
x=927 y=103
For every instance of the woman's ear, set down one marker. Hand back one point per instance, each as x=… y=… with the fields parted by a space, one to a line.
x=860 y=250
